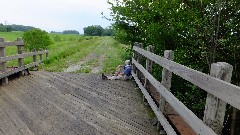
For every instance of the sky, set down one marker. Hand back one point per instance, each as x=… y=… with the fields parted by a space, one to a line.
x=55 y=15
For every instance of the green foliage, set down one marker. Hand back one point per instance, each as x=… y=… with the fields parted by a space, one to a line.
x=15 y=27
x=108 y=31
x=199 y=32
x=97 y=30
x=35 y=39
x=57 y=38
x=5 y=28
x=94 y=30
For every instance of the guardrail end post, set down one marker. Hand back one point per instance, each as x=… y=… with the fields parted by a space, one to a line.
x=3 y=64
x=215 y=108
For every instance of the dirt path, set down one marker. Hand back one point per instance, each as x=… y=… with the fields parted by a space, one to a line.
x=93 y=62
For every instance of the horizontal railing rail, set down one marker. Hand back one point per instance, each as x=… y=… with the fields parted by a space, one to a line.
x=226 y=91
x=17 y=56
x=14 y=43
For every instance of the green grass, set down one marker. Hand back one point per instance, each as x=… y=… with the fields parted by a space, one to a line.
x=115 y=56
x=70 y=49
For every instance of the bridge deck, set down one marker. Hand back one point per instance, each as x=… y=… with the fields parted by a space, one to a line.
x=67 y=104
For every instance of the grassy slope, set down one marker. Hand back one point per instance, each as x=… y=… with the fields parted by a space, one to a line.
x=70 y=49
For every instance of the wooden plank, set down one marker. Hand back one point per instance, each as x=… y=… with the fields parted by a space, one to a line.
x=7 y=126
x=196 y=124
x=14 y=43
x=4 y=74
x=20 y=125
x=221 y=89
x=168 y=128
x=215 y=108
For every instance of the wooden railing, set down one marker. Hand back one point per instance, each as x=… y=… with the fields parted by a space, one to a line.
x=217 y=85
x=5 y=71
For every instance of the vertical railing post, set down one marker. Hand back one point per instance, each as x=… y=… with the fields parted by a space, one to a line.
x=135 y=57
x=166 y=82
x=139 y=60
x=40 y=55
x=3 y=64
x=166 y=79
x=215 y=108
x=34 y=60
x=20 y=60
x=149 y=65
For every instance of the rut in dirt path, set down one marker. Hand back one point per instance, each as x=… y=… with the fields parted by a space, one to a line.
x=93 y=62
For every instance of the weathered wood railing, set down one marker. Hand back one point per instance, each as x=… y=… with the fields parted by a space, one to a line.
x=220 y=91
x=5 y=72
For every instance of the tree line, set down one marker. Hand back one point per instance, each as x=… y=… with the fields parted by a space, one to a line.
x=199 y=32
x=14 y=27
x=66 y=32
x=97 y=30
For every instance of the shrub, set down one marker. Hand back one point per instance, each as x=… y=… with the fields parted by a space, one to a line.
x=35 y=39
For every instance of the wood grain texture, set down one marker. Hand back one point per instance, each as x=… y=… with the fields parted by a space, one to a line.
x=167 y=127
x=23 y=55
x=166 y=79
x=20 y=60
x=190 y=118
x=219 y=88
x=46 y=103
x=14 y=43
x=10 y=72
x=3 y=64
x=40 y=55
x=149 y=65
x=215 y=108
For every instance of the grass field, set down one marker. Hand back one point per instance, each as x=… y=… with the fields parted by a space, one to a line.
x=70 y=51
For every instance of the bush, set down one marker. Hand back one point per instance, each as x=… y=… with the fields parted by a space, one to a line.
x=35 y=39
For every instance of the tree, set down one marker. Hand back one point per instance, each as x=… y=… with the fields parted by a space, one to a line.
x=199 y=32
x=108 y=31
x=15 y=27
x=94 y=30
x=35 y=39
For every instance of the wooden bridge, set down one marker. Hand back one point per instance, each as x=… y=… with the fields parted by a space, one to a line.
x=69 y=104
x=46 y=103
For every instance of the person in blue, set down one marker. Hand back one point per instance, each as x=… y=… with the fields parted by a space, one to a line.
x=123 y=72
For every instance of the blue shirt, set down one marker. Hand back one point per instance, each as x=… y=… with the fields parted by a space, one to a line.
x=127 y=70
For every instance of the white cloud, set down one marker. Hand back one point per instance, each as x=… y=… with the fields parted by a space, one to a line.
x=55 y=15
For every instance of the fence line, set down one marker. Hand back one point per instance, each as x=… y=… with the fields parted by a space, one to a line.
x=219 y=91
x=19 y=56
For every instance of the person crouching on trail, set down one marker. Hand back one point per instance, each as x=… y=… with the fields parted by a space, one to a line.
x=123 y=72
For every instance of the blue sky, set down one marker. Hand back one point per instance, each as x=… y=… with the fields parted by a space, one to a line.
x=55 y=15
